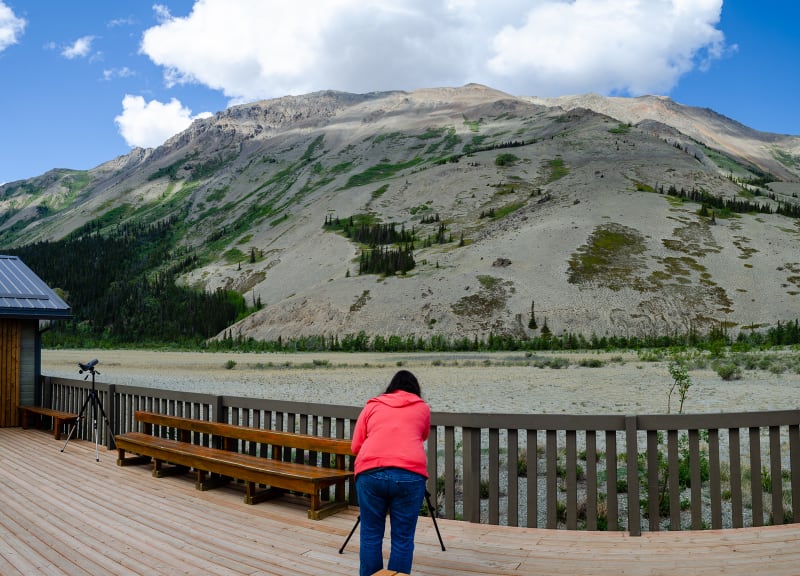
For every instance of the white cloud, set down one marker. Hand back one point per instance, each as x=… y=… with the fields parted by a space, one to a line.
x=608 y=46
x=124 y=72
x=250 y=49
x=81 y=48
x=11 y=27
x=150 y=124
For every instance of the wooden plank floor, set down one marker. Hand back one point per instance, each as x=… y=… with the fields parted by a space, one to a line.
x=66 y=514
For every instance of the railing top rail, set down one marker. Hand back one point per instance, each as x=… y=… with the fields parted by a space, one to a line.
x=530 y=421
x=717 y=421
x=292 y=407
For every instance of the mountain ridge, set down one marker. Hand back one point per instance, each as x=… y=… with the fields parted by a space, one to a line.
x=555 y=211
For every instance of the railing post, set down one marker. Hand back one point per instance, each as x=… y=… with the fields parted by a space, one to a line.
x=111 y=414
x=433 y=467
x=632 y=458
x=47 y=391
x=472 y=474
x=219 y=409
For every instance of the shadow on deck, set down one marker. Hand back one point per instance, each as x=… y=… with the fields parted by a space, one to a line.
x=65 y=513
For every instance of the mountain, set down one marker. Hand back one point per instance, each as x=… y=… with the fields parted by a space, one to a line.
x=582 y=214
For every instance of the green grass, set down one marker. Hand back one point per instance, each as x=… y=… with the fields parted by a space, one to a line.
x=557 y=170
x=431 y=133
x=379 y=192
x=233 y=256
x=507 y=209
x=379 y=172
x=341 y=168
x=474 y=125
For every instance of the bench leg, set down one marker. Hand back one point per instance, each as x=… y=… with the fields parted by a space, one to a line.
x=318 y=510
x=254 y=496
x=205 y=481
x=130 y=460
x=160 y=472
x=63 y=424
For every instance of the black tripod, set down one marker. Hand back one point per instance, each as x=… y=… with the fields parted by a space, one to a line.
x=431 y=509
x=96 y=407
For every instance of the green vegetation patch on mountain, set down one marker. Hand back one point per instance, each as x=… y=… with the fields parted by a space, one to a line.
x=612 y=258
x=557 y=170
x=381 y=171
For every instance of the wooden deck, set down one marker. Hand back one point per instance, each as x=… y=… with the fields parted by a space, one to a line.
x=66 y=514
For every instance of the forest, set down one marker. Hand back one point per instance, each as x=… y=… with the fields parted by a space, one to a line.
x=121 y=286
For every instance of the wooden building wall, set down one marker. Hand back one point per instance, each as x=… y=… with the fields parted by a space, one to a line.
x=11 y=331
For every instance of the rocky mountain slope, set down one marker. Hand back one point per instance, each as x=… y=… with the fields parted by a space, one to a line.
x=525 y=212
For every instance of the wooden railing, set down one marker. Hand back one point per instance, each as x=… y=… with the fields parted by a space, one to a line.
x=613 y=472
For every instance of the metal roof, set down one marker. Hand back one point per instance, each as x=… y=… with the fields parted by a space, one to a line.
x=24 y=295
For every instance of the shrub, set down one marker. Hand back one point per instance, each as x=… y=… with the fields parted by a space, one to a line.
x=484 y=489
x=728 y=371
x=680 y=380
x=522 y=464
x=505 y=159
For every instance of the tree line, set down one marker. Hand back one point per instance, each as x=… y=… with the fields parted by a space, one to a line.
x=783 y=334
x=737 y=205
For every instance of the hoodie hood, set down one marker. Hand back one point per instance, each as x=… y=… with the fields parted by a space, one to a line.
x=398 y=399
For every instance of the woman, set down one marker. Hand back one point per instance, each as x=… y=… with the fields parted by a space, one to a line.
x=391 y=471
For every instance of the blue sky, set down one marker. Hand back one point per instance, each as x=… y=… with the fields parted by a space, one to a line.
x=84 y=82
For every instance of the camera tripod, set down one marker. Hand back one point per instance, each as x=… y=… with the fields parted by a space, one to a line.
x=97 y=409
x=431 y=509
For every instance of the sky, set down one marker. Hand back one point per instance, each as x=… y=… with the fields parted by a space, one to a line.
x=82 y=82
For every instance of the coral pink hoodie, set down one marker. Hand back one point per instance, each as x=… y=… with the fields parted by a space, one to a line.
x=390 y=432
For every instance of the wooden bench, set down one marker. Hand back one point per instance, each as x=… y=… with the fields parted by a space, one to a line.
x=216 y=450
x=59 y=418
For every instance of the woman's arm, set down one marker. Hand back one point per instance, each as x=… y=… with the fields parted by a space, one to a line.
x=360 y=432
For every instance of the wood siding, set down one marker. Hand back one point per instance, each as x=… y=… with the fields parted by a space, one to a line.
x=27 y=362
x=10 y=362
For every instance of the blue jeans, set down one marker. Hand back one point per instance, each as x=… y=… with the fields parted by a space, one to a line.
x=400 y=493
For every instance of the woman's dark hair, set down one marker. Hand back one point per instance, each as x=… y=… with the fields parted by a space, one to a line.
x=404 y=380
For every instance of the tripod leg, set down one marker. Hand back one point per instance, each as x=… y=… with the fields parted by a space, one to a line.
x=341 y=550
x=94 y=427
x=432 y=510
x=75 y=425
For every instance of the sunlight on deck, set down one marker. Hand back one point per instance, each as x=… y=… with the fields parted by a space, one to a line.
x=65 y=513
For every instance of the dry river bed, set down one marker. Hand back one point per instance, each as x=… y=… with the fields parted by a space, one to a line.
x=504 y=382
